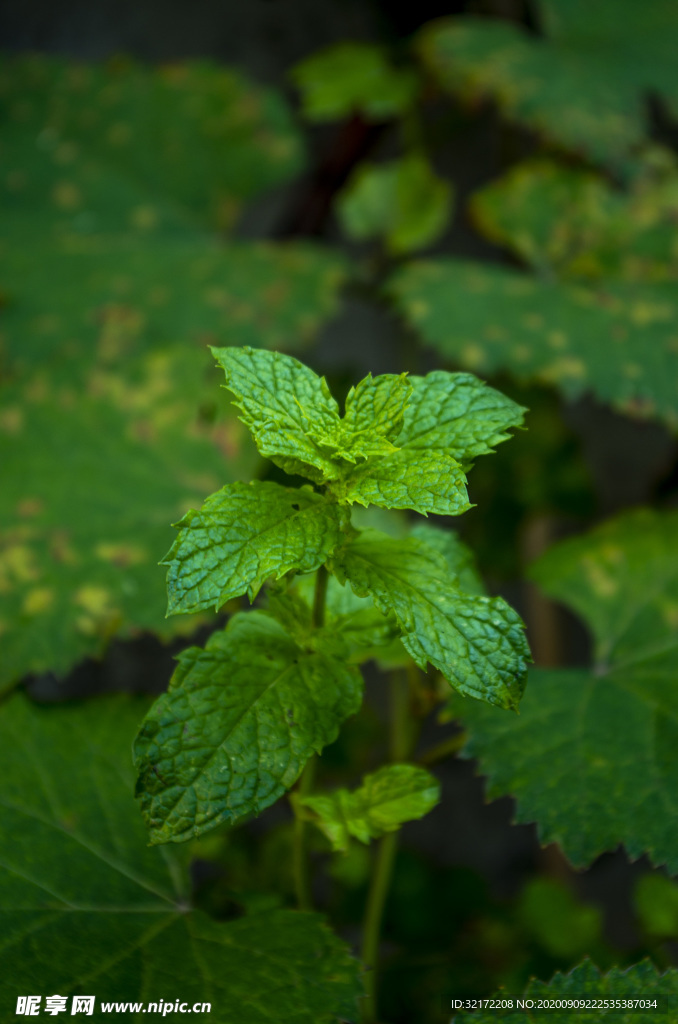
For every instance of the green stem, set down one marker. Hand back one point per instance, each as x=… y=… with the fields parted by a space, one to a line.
x=302 y=885
x=401 y=741
x=447 y=748
x=319 y=597
x=376 y=900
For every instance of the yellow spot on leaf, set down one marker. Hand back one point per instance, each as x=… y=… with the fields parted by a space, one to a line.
x=11 y=419
x=562 y=369
x=143 y=218
x=29 y=507
x=119 y=134
x=557 y=339
x=17 y=565
x=66 y=195
x=120 y=554
x=100 y=614
x=602 y=583
x=418 y=309
x=473 y=356
x=535 y=321
x=632 y=370
x=37 y=601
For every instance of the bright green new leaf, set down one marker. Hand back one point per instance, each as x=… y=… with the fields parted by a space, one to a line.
x=244 y=534
x=386 y=799
x=617 y=339
x=593 y=757
x=89 y=908
x=583 y=84
x=585 y=981
x=403 y=201
x=457 y=414
x=347 y=78
x=425 y=481
x=235 y=729
x=476 y=642
x=375 y=409
x=286 y=406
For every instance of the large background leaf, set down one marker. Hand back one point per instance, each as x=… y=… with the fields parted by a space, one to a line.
x=583 y=84
x=89 y=908
x=120 y=184
x=593 y=756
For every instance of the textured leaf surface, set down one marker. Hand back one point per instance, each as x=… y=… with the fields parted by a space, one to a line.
x=286 y=406
x=426 y=481
x=237 y=726
x=350 y=77
x=476 y=642
x=404 y=202
x=619 y=339
x=89 y=908
x=90 y=482
x=244 y=534
x=582 y=85
x=642 y=981
x=375 y=409
x=457 y=414
x=386 y=799
x=593 y=757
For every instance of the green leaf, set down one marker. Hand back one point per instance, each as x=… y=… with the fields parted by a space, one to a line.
x=239 y=722
x=574 y=224
x=617 y=339
x=403 y=201
x=89 y=907
x=656 y=904
x=459 y=557
x=582 y=84
x=386 y=799
x=605 y=739
x=425 y=481
x=285 y=405
x=244 y=534
x=585 y=981
x=457 y=414
x=375 y=409
x=349 y=77
x=90 y=480
x=476 y=642
x=547 y=213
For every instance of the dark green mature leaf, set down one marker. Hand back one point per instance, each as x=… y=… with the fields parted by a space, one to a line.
x=386 y=799
x=593 y=757
x=350 y=77
x=244 y=534
x=582 y=85
x=619 y=339
x=404 y=202
x=477 y=642
x=641 y=981
x=89 y=908
x=239 y=722
x=90 y=481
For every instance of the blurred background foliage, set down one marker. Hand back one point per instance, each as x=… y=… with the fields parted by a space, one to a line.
x=489 y=185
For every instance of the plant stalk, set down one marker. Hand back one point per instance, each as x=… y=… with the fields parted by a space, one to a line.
x=302 y=885
x=401 y=740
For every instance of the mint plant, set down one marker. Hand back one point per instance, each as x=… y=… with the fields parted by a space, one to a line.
x=244 y=715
